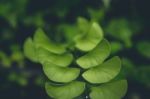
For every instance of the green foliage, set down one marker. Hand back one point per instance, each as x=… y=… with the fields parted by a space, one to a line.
x=16 y=56
x=30 y=50
x=112 y=90
x=20 y=17
x=106 y=3
x=116 y=47
x=60 y=74
x=97 y=14
x=5 y=60
x=69 y=91
x=144 y=48
x=11 y=9
x=89 y=38
x=62 y=60
x=104 y=72
x=60 y=66
x=19 y=78
x=69 y=31
x=96 y=56
x=41 y=40
x=122 y=30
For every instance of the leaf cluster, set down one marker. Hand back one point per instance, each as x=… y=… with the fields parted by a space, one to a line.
x=97 y=72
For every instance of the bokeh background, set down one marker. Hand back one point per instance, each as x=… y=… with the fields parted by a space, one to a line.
x=126 y=24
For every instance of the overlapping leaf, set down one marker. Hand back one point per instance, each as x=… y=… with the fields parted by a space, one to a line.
x=104 y=72
x=89 y=40
x=112 y=90
x=68 y=91
x=41 y=40
x=56 y=61
x=30 y=50
x=61 y=60
x=96 y=56
x=60 y=74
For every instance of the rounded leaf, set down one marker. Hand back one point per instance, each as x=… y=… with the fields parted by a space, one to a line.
x=83 y=24
x=30 y=50
x=42 y=40
x=61 y=60
x=104 y=72
x=68 y=91
x=112 y=90
x=91 y=39
x=60 y=74
x=96 y=56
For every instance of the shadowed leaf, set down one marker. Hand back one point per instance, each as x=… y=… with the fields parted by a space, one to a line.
x=68 y=91
x=61 y=60
x=112 y=90
x=41 y=40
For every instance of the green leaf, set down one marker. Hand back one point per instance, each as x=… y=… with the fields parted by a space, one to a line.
x=91 y=39
x=103 y=72
x=83 y=24
x=106 y=3
x=69 y=31
x=96 y=56
x=144 y=48
x=60 y=74
x=68 y=91
x=121 y=29
x=97 y=15
x=42 y=40
x=112 y=90
x=61 y=60
x=116 y=47
x=30 y=50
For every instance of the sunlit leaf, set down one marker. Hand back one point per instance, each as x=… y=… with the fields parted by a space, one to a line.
x=68 y=91
x=60 y=60
x=91 y=39
x=104 y=72
x=96 y=56
x=60 y=74
x=30 y=50
x=42 y=40
x=112 y=90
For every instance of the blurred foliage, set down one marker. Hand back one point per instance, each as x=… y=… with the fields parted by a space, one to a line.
x=123 y=30
x=125 y=24
x=144 y=48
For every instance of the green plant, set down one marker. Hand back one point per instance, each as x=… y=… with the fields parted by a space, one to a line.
x=78 y=66
x=123 y=30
